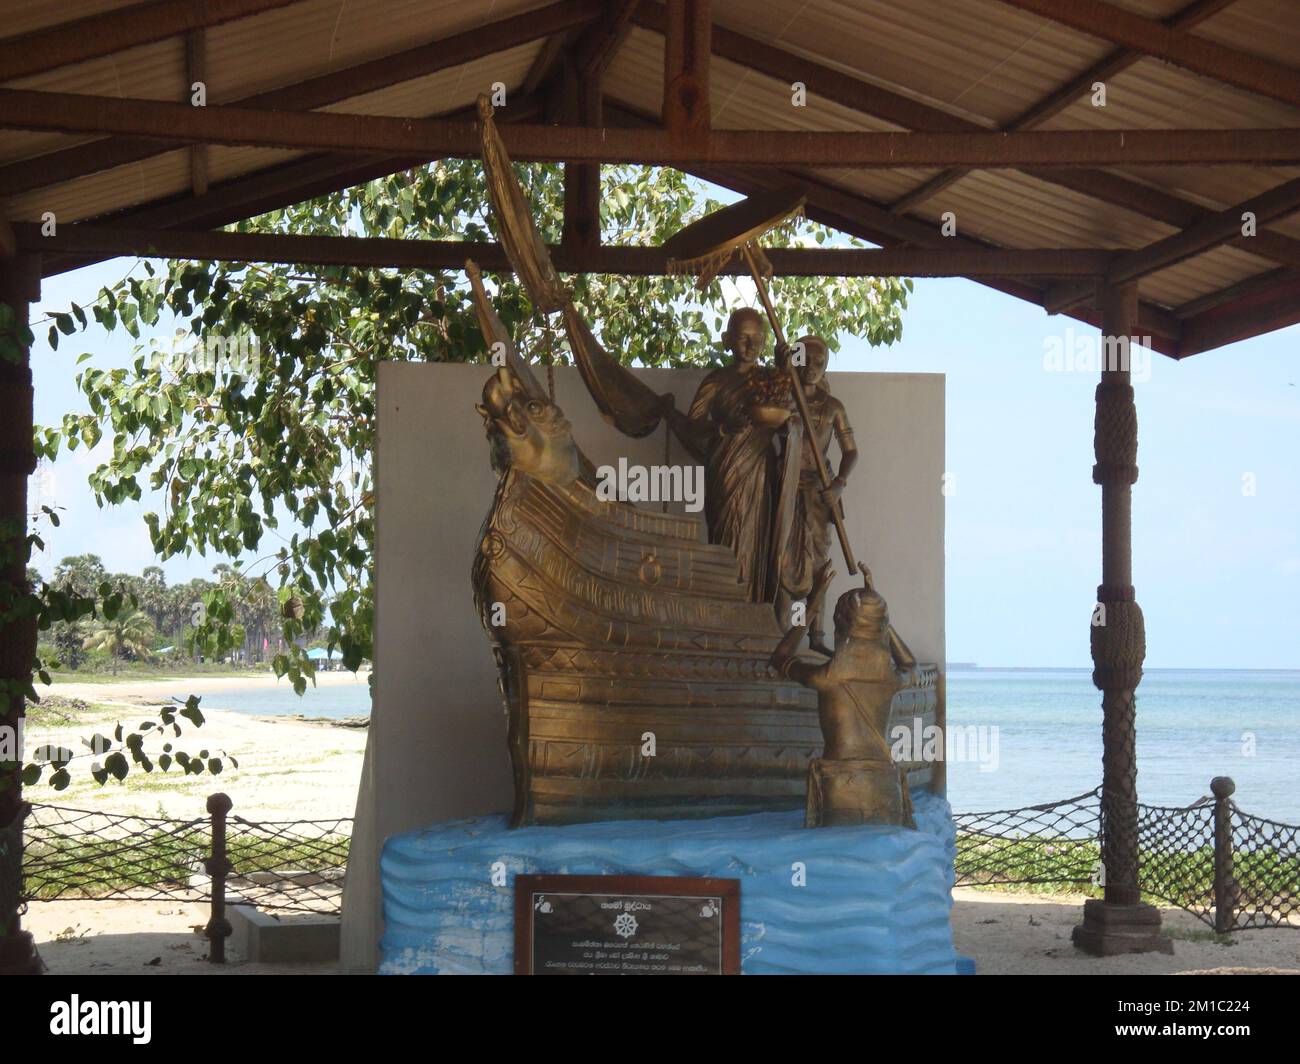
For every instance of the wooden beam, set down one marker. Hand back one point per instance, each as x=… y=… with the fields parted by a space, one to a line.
x=872 y=221
x=8 y=240
x=582 y=180
x=1259 y=282
x=1097 y=18
x=1109 y=66
x=321 y=91
x=1205 y=235
x=687 y=46
x=268 y=189
x=602 y=39
x=908 y=113
x=1258 y=312
x=862 y=217
x=196 y=69
x=371 y=134
x=544 y=63
x=591 y=56
x=115 y=31
x=210 y=245
x=821 y=80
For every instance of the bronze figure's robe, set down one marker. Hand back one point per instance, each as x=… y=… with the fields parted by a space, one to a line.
x=741 y=477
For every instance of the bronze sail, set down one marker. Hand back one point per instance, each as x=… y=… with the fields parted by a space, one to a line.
x=514 y=220
x=622 y=400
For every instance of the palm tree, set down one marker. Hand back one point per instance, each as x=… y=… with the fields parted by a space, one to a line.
x=129 y=635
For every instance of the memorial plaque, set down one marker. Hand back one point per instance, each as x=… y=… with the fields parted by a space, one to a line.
x=626 y=925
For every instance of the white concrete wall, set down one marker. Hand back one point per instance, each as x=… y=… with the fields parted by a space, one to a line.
x=437 y=741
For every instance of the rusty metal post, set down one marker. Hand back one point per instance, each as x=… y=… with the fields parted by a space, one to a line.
x=218 y=867
x=1225 y=915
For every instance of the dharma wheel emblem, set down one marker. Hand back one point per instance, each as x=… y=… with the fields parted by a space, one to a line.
x=650 y=570
x=625 y=925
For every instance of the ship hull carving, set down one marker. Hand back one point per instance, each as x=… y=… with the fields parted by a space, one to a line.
x=634 y=669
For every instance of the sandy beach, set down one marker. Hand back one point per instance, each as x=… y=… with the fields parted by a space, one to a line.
x=288 y=769
x=145 y=692
x=1006 y=933
x=292 y=769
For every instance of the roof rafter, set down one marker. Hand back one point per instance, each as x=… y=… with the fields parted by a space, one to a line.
x=859 y=217
x=904 y=111
x=1107 y=67
x=1106 y=21
x=320 y=91
x=371 y=134
x=450 y=254
x=114 y=31
x=1210 y=232
x=1260 y=311
x=288 y=183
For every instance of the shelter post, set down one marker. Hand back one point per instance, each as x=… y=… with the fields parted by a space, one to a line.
x=19 y=286
x=1118 y=922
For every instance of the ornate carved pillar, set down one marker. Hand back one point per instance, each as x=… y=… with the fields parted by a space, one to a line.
x=19 y=285
x=1119 y=922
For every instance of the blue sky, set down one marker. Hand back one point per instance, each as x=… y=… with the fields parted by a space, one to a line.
x=1217 y=569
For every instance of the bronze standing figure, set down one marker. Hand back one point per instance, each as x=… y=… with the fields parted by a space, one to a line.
x=738 y=420
x=805 y=547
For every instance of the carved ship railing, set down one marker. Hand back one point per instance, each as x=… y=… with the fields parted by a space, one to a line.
x=633 y=668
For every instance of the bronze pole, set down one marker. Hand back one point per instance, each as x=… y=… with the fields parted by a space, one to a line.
x=802 y=403
x=902 y=653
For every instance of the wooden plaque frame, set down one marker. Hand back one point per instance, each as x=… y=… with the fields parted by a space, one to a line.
x=728 y=890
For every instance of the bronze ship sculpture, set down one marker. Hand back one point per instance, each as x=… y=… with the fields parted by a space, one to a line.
x=634 y=664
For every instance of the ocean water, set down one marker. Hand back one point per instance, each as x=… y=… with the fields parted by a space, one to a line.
x=1041 y=737
x=1192 y=725
x=351 y=699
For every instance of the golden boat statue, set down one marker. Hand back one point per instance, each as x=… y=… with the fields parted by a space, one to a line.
x=634 y=667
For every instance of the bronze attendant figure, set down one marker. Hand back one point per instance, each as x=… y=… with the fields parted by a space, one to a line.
x=855 y=781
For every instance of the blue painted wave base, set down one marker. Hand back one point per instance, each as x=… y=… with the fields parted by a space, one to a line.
x=874 y=899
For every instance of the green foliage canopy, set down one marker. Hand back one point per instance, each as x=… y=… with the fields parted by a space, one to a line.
x=261 y=442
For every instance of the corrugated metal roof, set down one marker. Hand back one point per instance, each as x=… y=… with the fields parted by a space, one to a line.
x=980 y=60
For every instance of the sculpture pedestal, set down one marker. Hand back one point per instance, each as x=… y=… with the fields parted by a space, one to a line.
x=868 y=899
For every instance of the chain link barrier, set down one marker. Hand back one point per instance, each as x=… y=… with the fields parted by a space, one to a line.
x=1187 y=857
x=292 y=866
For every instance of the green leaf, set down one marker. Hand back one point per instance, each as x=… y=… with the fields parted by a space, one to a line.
x=116 y=765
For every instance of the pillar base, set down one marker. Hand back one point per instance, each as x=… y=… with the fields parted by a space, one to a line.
x=18 y=955
x=1109 y=930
